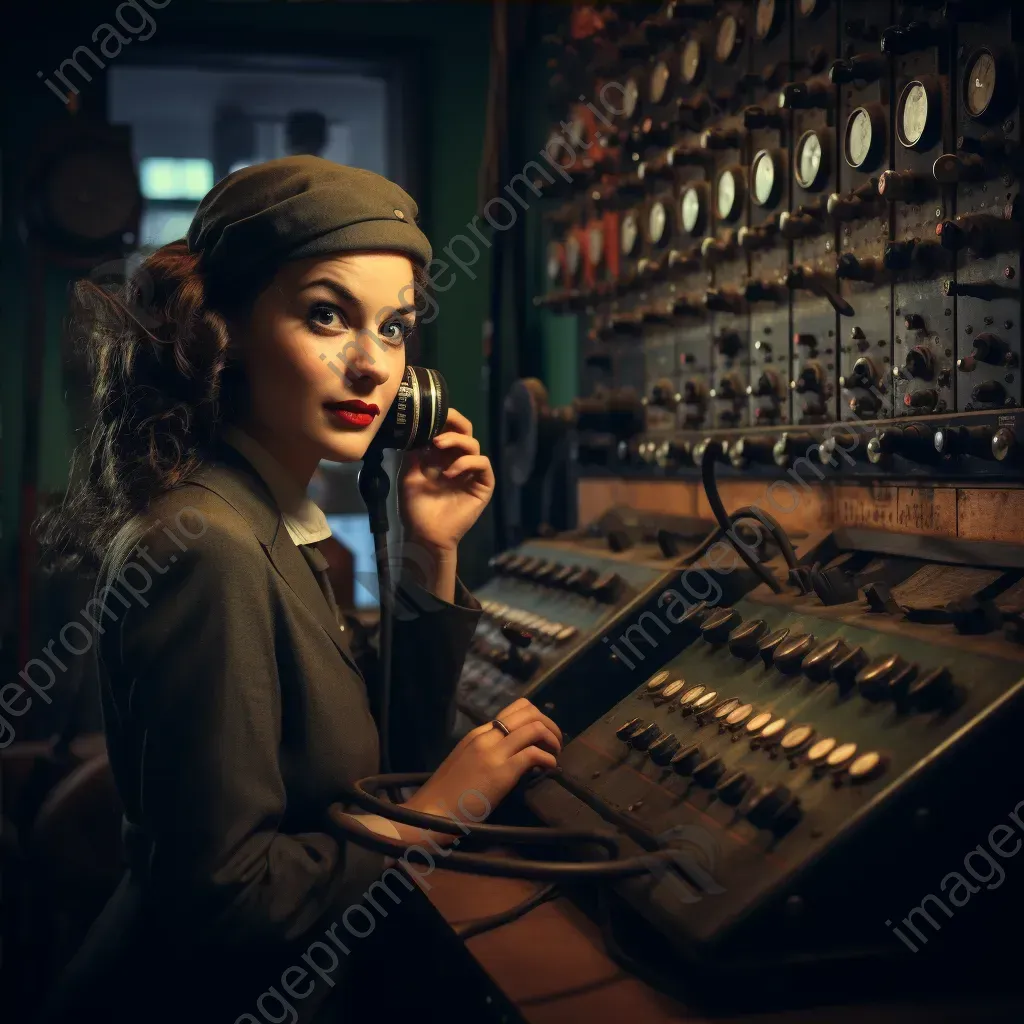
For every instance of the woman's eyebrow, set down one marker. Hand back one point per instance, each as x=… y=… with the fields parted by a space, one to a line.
x=346 y=295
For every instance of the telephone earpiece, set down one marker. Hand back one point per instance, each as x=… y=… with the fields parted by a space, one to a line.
x=418 y=412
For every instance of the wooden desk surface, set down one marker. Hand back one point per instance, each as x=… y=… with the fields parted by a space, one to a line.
x=551 y=964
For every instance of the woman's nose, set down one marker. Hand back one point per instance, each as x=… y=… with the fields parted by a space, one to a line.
x=361 y=368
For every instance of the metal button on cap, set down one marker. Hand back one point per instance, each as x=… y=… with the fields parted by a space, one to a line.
x=657 y=681
x=841 y=756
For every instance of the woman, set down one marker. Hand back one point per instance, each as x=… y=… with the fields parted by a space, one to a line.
x=237 y=703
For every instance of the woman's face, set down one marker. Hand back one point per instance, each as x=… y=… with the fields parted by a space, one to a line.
x=324 y=354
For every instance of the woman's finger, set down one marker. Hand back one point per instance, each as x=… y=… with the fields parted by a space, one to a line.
x=516 y=705
x=533 y=734
x=532 y=757
x=470 y=464
x=451 y=441
x=519 y=718
x=459 y=423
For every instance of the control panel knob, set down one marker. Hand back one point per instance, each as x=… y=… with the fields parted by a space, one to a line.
x=818 y=663
x=766 y=647
x=912 y=255
x=724 y=300
x=745 y=450
x=517 y=661
x=809 y=378
x=731 y=788
x=729 y=344
x=863 y=201
x=709 y=771
x=911 y=442
x=987 y=348
x=873 y=680
x=721 y=138
x=900 y=40
x=764 y=291
x=713 y=251
x=953 y=168
x=662 y=750
x=645 y=736
x=729 y=388
x=801 y=223
x=933 y=690
x=694 y=617
x=685 y=760
x=861 y=68
x=790 y=446
x=924 y=400
x=755 y=118
x=789 y=655
x=719 y=624
x=989 y=392
x=607 y=588
x=772 y=807
x=982 y=233
x=846 y=667
x=768 y=385
x=744 y=638
x=814 y=93
x=630 y=729
x=862 y=375
x=905 y=186
x=920 y=363
x=863 y=268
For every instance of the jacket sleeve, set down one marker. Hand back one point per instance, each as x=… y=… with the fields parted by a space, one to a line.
x=199 y=663
x=429 y=645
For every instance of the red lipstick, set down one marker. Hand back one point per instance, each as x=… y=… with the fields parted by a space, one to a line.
x=352 y=413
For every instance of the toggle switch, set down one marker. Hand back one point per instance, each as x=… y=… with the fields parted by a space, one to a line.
x=862 y=68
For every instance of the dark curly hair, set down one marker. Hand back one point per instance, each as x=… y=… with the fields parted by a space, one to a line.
x=162 y=379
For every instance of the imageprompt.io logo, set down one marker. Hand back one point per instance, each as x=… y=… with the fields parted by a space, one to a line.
x=689 y=875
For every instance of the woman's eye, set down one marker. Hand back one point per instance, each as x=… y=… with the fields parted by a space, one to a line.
x=325 y=316
x=397 y=331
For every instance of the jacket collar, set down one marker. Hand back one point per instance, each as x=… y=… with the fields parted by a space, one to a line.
x=229 y=474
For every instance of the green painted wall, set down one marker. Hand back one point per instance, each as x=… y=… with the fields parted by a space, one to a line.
x=450 y=42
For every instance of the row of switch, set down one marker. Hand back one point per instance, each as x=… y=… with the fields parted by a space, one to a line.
x=556 y=632
x=605 y=587
x=888 y=677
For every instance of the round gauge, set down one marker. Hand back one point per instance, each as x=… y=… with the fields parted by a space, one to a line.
x=692 y=210
x=554 y=261
x=630 y=98
x=595 y=246
x=766 y=179
x=767 y=18
x=729 y=39
x=628 y=234
x=658 y=82
x=917 y=115
x=811 y=171
x=980 y=83
x=572 y=255
x=729 y=194
x=988 y=86
x=657 y=218
x=865 y=137
x=691 y=62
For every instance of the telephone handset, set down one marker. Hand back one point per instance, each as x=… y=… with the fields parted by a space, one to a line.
x=418 y=412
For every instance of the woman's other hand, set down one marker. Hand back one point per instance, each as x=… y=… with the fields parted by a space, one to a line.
x=487 y=763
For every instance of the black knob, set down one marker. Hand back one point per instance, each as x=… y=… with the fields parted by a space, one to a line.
x=920 y=363
x=815 y=93
x=904 y=186
x=499 y=562
x=862 y=67
x=899 y=40
x=719 y=624
x=763 y=291
x=989 y=392
x=790 y=653
x=808 y=379
x=643 y=738
x=713 y=251
x=630 y=729
x=953 y=168
x=862 y=374
x=873 y=680
x=729 y=388
x=853 y=268
x=694 y=617
x=662 y=750
x=772 y=807
x=759 y=117
x=746 y=450
x=709 y=771
x=766 y=647
x=863 y=201
x=934 y=690
x=582 y=580
x=923 y=400
x=800 y=224
x=729 y=344
x=560 y=576
x=818 y=663
x=767 y=385
x=732 y=788
x=982 y=233
x=987 y=349
x=721 y=138
x=517 y=637
x=607 y=588
x=744 y=639
x=846 y=667
x=685 y=760
x=723 y=300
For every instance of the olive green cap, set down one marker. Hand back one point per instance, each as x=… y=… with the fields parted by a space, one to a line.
x=300 y=206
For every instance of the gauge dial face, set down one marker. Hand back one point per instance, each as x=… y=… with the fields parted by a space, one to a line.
x=656 y=220
x=595 y=246
x=572 y=255
x=690 y=212
x=980 y=83
x=628 y=234
x=630 y=98
x=914 y=114
x=728 y=40
x=691 y=61
x=658 y=82
x=728 y=195
x=765 y=177
x=765 y=19
x=810 y=161
x=858 y=137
